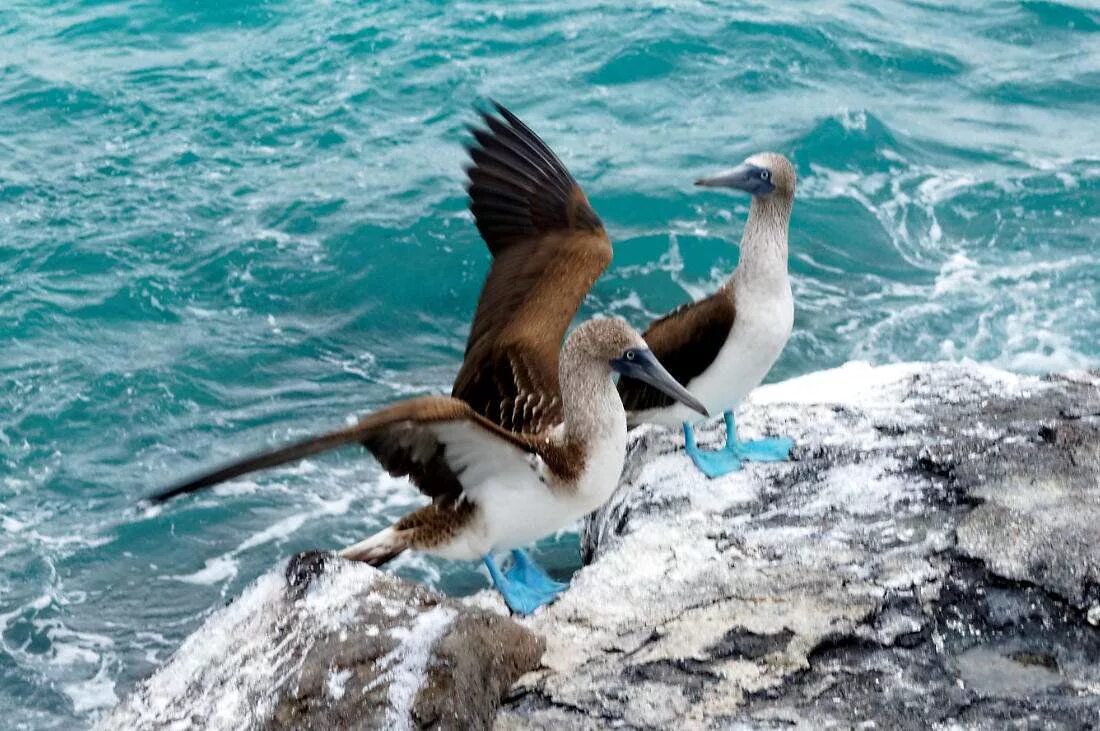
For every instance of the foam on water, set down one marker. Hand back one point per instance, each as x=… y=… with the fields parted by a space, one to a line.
x=230 y=225
x=216 y=571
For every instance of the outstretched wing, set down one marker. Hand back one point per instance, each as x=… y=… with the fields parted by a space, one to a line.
x=548 y=248
x=686 y=341
x=434 y=440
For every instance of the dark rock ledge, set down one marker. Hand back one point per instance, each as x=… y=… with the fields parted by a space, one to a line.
x=930 y=558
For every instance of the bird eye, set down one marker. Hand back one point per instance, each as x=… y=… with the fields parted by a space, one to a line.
x=630 y=355
x=764 y=175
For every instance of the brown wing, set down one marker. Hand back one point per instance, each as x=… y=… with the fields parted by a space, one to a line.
x=686 y=341
x=430 y=439
x=548 y=248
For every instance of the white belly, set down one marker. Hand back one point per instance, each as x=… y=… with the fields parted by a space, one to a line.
x=516 y=508
x=760 y=331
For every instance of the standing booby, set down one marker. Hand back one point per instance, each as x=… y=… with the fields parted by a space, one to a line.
x=526 y=444
x=722 y=346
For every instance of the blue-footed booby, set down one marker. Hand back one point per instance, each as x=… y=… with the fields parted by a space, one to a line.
x=722 y=346
x=527 y=442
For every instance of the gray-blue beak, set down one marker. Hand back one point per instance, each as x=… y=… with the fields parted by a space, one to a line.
x=749 y=178
x=641 y=365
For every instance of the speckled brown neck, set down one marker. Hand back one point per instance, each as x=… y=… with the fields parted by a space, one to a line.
x=764 y=242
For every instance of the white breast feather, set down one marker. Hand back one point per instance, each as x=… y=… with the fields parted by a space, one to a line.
x=760 y=331
x=518 y=497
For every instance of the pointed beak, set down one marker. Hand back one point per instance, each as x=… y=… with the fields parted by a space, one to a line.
x=646 y=368
x=743 y=177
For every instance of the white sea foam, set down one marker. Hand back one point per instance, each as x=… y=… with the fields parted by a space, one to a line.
x=223 y=569
x=1027 y=309
x=216 y=570
x=854 y=121
x=11 y=525
x=279 y=529
x=235 y=488
x=631 y=302
x=95 y=693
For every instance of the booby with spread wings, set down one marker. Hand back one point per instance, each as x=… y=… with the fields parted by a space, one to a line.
x=528 y=442
x=722 y=346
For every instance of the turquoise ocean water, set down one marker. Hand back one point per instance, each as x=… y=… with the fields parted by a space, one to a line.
x=223 y=225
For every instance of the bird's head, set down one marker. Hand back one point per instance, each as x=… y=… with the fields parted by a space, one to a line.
x=613 y=344
x=763 y=175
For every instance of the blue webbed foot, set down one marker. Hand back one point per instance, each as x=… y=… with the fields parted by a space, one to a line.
x=525 y=587
x=771 y=449
x=729 y=458
x=711 y=464
x=526 y=571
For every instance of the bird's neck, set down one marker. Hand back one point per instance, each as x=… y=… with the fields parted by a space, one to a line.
x=591 y=405
x=764 y=243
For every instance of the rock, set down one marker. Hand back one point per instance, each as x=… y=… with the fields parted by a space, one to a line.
x=359 y=649
x=931 y=556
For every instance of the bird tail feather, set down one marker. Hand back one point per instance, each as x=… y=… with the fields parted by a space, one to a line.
x=380 y=548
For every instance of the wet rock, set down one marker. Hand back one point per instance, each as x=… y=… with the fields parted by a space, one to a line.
x=930 y=556
x=358 y=649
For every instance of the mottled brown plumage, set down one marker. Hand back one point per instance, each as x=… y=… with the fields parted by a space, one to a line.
x=548 y=248
x=686 y=341
x=434 y=524
x=423 y=529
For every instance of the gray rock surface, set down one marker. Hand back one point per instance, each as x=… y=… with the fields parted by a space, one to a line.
x=930 y=558
x=361 y=649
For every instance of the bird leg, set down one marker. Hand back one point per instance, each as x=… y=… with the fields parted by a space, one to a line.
x=729 y=458
x=525 y=587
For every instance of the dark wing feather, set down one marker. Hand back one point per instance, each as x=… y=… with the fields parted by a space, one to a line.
x=686 y=341
x=261 y=461
x=406 y=447
x=548 y=248
x=402 y=439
